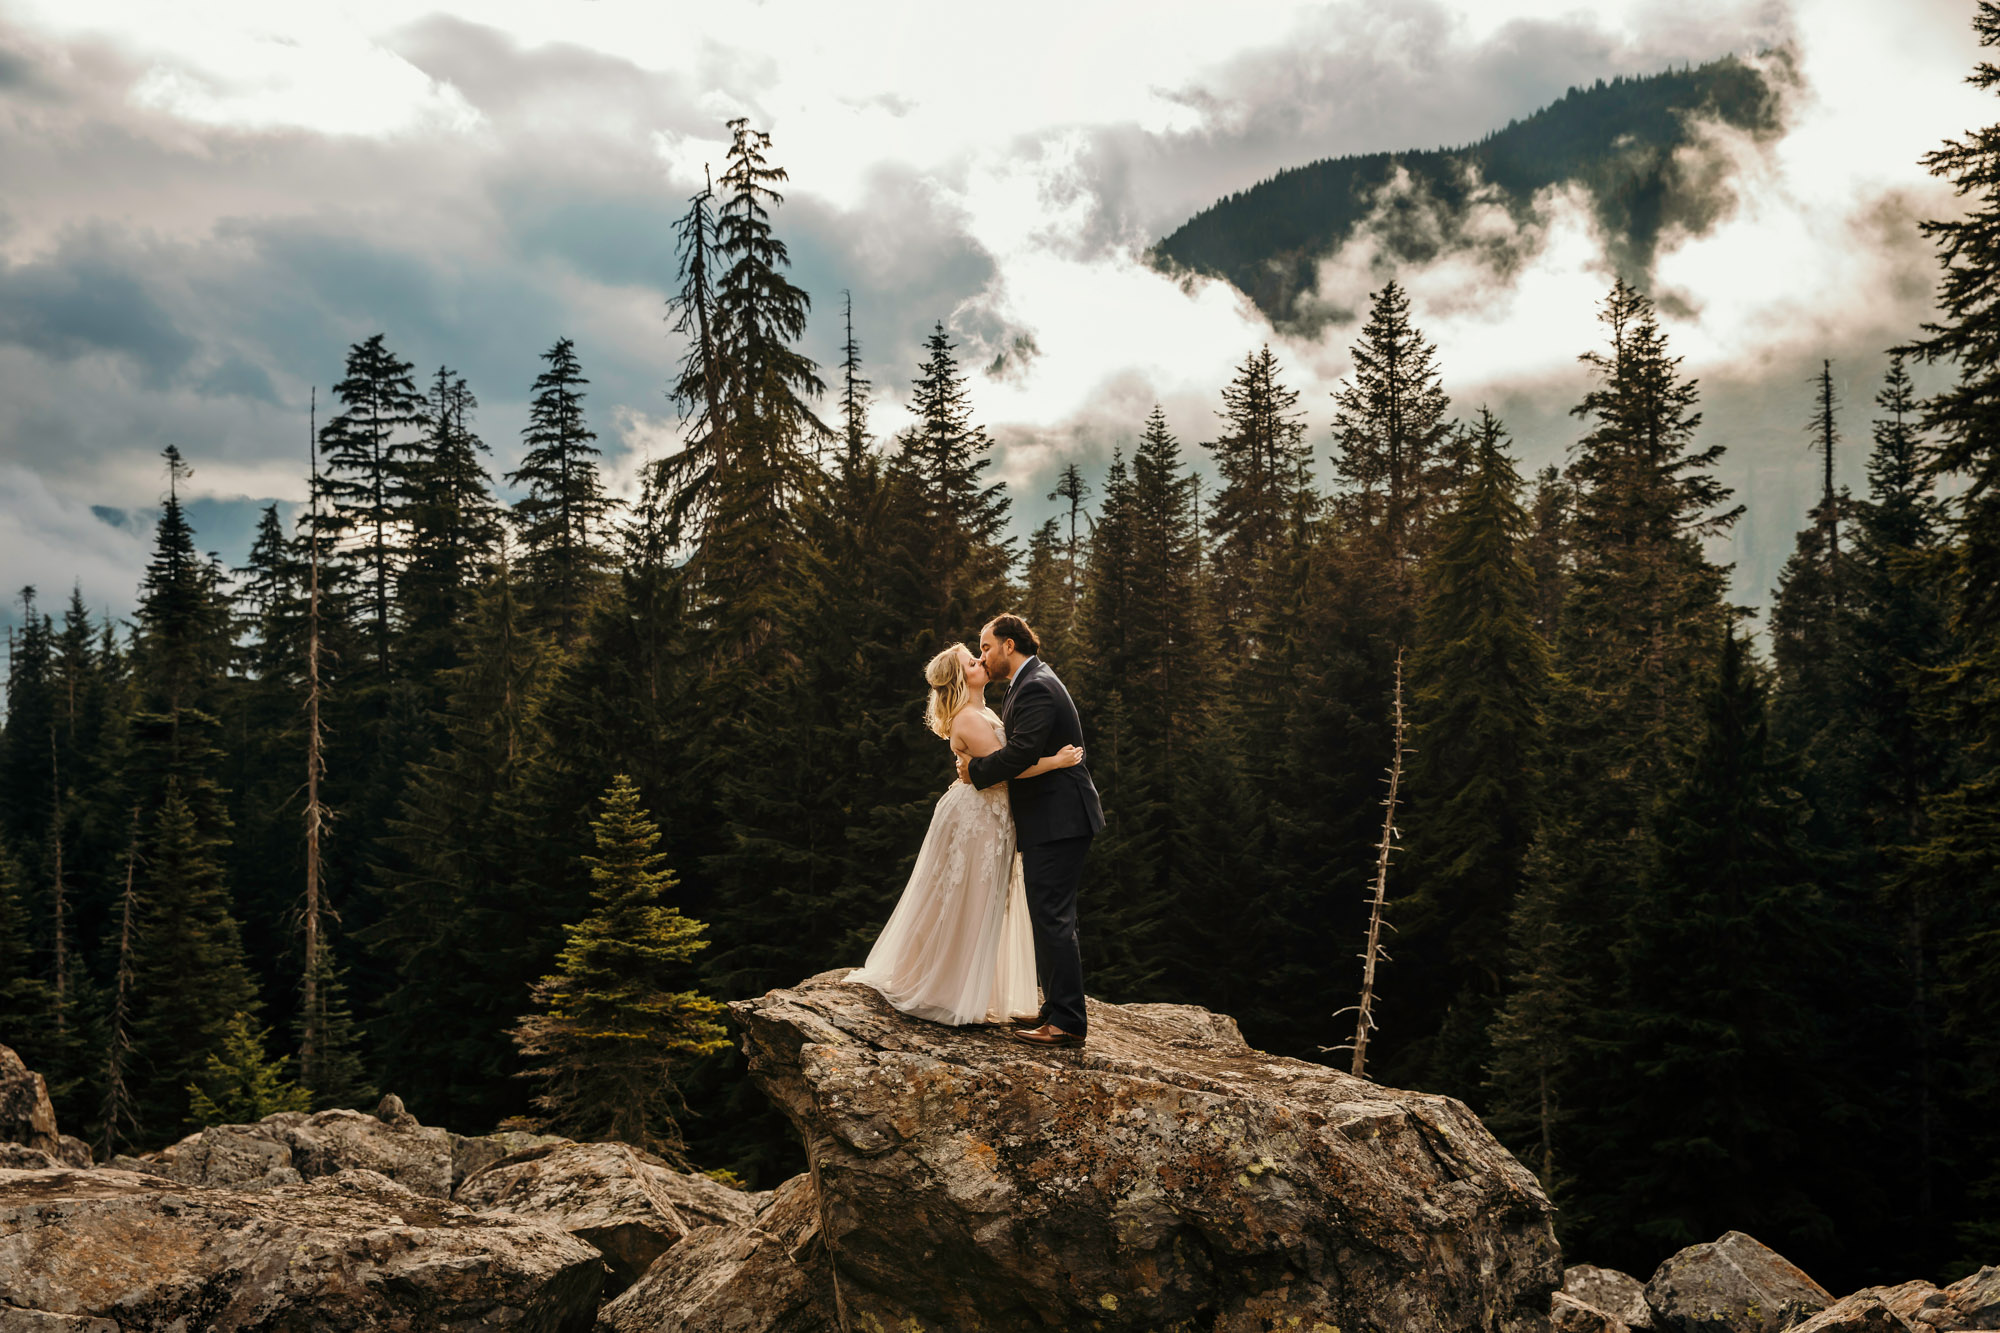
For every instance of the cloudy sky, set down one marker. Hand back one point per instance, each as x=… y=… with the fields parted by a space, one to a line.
x=203 y=204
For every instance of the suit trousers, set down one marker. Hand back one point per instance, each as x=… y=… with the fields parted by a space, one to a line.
x=1051 y=872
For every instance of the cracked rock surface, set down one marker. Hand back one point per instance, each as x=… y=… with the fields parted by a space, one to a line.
x=1166 y=1175
x=114 y=1250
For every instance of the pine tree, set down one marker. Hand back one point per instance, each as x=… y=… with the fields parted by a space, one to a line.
x=560 y=520
x=959 y=517
x=1959 y=855
x=1165 y=692
x=1900 y=640
x=854 y=388
x=188 y=971
x=365 y=450
x=1479 y=678
x=1259 y=456
x=1723 y=1048
x=240 y=1084
x=1538 y=1031
x=1073 y=491
x=753 y=438
x=26 y=1000
x=618 y=1019
x=1393 y=442
x=454 y=527
x=462 y=929
x=1811 y=635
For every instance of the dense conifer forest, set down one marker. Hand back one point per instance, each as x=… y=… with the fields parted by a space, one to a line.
x=492 y=804
x=1619 y=140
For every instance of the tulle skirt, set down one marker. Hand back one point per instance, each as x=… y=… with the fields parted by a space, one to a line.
x=958 y=948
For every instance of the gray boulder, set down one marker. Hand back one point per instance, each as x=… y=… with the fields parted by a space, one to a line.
x=767 y=1274
x=1863 y=1312
x=620 y=1200
x=415 y=1156
x=26 y=1115
x=20 y=1157
x=1618 y=1295
x=85 y=1252
x=1735 y=1284
x=1974 y=1300
x=1567 y=1314
x=1164 y=1174
x=227 y=1155
x=473 y=1153
x=73 y=1151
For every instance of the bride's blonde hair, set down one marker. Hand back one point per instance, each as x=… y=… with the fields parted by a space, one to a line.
x=950 y=694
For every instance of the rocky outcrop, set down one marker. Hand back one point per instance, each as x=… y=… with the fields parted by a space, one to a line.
x=1863 y=1312
x=415 y=1156
x=1165 y=1174
x=111 y=1250
x=618 y=1199
x=73 y=1151
x=1974 y=1301
x=233 y=1155
x=764 y=1274
x=19 y=1157
x=1732 y=1285
x=26 y=1115
x=473 y=1153
x=1599 y=1300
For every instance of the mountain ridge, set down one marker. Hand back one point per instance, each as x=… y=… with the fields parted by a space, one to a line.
x=1620 y=140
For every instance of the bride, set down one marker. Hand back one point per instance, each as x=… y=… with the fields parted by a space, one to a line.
x=958 y=948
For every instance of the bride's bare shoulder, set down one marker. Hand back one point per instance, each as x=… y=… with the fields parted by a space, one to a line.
x=974 y=724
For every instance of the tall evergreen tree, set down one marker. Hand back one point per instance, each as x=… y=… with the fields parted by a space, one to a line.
x=960 y=518
x=1260 y=456
x=461 y=929
x=1393 y=442
x=1479 y=676
x=364 y=449
x=1810 y=632
x=1725 y=1054
x=1960 y=853
x=188 y=971
x=561 y=518
x=618 y=1018
x=454 y=526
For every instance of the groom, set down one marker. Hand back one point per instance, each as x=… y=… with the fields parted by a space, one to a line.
x=1055 y=817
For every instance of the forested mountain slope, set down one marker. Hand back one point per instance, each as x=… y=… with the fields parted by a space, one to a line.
x=1617 y=139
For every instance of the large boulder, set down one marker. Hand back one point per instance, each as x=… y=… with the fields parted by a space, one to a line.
x=415 y=1156
x=1165 y=1174
x=618 y=1199
x=353 y=1251
x=1733 y=1285
x=1863 y=1312
x=27 y=1117
x=765 y=1274
x=1974 y=1300
x=223 y=1156
x=1618 y=1295
x=473 y=1153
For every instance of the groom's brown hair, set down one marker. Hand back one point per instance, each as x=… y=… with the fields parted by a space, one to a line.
x=1011 y=626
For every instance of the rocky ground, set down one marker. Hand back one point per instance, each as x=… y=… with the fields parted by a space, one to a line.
x=1165 y=1177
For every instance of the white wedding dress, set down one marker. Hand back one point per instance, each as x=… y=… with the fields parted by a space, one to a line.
x=958 y=948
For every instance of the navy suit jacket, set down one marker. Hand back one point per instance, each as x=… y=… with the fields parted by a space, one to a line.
x=1040 y=719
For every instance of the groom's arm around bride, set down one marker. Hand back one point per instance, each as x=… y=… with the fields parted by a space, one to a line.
x=1055 y=816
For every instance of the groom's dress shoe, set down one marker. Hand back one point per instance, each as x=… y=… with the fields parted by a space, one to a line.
x=1048 y=1034
x=1021 y=1022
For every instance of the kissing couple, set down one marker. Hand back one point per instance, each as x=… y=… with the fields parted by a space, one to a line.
x=991 y=902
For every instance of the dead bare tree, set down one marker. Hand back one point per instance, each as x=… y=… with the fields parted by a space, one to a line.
x=1364 y=1012
x=311 y=1035
x=118 y=1109
x=59 y=904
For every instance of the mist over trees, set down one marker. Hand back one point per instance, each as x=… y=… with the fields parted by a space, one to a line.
x=1712 y=940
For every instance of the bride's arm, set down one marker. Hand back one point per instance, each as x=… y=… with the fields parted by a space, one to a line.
x=1067 y=757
